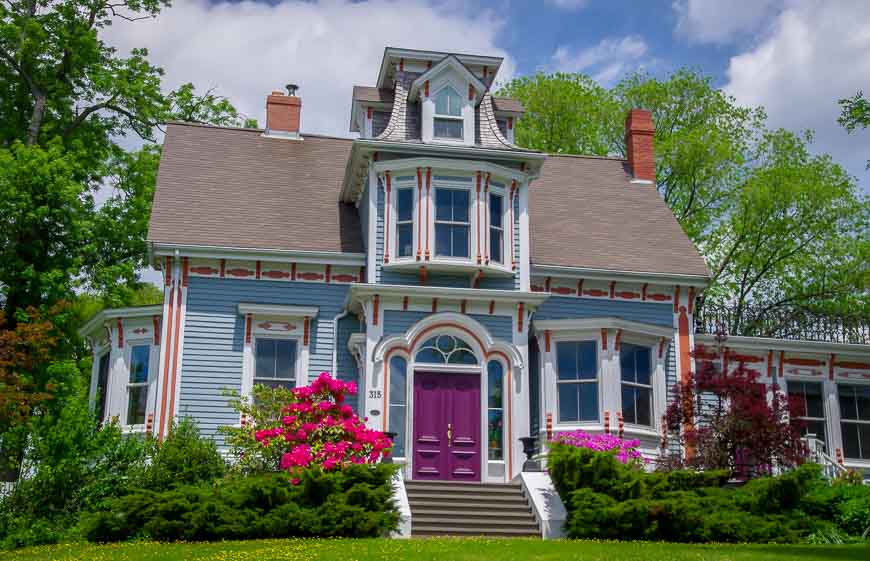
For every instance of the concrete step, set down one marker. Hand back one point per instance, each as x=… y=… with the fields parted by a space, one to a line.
x=489 y=514
x=496 y=508
x=424 y=530
x=467 y=522
x=463 y=488
x=465 y=497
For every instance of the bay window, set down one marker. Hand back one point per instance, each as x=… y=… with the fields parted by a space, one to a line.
x=635 y=364
x=448 y=115
x=496 y=228
x=810 y=410
x=137 y=384
x=452 y=222
x=855 y=420
x=405 y=223
x=577 y=381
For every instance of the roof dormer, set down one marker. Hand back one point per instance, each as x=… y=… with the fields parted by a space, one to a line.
x=448 y=94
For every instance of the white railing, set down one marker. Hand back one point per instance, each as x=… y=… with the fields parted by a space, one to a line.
x=816 y=454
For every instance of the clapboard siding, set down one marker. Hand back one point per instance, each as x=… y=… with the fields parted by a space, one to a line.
x=363 y=210
x=397 y=322
x=214 y=339
x=345 y=363
x=566 y=307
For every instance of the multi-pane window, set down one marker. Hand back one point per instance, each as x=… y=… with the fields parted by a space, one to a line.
x=102 y=385
x=405 y=223
x=495 y=410
x=635 y=364
x=398 y=403
x=577 y=382
x=452 y=224
x=448 y=114
x=496 y=227
x=807 y=398
x=855 y=420
x=137 y=384
x=275 y=362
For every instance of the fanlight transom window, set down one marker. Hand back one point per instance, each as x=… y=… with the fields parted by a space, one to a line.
x=446 y=349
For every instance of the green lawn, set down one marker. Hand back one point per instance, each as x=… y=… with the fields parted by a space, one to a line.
x=469 y=549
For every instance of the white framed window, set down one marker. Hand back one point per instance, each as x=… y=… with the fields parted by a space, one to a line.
x=137 y=385
x=495 y=410
x=855 y=420
x=636 y=367
x=496 y=227
x=452 y=222
x=577 y=381
x=276 y=348
x=405 y=222
x=448 y=120
x=398 y=405
x=275 y=361
x=809 y=399
x=101 y=392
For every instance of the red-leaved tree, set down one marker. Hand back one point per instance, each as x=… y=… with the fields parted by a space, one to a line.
x=735 y=424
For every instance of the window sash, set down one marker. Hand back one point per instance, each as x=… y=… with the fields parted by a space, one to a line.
x=137 y=403
x=449 y=128
x=862 y=428
x=452 y=102
x=270 y=373
x=580 y=417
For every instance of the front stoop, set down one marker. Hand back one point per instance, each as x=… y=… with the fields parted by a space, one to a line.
x=469 y=509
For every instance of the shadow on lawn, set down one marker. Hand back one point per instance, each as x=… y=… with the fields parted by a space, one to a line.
x=834 y=553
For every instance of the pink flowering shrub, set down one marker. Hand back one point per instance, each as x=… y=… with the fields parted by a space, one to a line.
x=306 y=427
x=626 y=450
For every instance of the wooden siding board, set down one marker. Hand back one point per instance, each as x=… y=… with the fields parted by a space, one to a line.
x=214 y=339
x=568 y=307
x=397 y=322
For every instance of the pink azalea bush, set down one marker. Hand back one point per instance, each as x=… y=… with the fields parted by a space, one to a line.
x=626 y=450
x=306 y=427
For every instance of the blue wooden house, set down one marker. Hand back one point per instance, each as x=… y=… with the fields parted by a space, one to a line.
x=478 y=292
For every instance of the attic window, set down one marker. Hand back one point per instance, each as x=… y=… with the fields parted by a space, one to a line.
x=448 y=114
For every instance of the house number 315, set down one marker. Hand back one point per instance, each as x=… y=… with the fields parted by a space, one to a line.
x=375 y=394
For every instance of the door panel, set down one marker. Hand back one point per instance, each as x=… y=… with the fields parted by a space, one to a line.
x=446 y=426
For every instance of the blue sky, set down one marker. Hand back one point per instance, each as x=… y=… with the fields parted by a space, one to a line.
x=794 y=57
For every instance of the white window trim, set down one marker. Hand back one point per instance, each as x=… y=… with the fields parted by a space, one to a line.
x=849 y=462
x=119 y=376
x=295 y=318
x=609 y=377
x=651 y=386
x=478 y=205
x=428 y=115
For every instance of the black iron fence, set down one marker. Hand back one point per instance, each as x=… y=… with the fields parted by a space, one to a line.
x=782 y=323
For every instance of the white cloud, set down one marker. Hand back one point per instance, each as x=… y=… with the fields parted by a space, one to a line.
x=606 y=61
x=718 y=21
x=814 y=54
x=248 y=49
x=568 y=4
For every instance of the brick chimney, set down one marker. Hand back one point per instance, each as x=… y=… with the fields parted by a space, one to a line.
x=283 y=114
x=639 y=131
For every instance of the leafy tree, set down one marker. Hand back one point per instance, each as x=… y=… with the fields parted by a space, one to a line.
x=855 y=114
x=66 y=98
x=784 y=232
x=735 y=427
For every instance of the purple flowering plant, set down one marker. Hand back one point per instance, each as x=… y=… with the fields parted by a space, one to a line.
x=626 y=451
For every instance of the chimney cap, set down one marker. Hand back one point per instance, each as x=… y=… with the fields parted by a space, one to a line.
x=291 y=89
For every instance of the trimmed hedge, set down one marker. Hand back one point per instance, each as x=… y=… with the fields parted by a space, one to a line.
x=608 y=500
x=353 y=502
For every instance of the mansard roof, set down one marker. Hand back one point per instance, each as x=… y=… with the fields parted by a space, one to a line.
x=234 y=188
x=586 y=212
x=226 y=187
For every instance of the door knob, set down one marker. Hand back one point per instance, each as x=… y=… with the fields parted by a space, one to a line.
x=449 y=435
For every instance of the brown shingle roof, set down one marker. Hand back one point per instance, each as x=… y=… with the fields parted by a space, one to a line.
x=507 y=104
x=234 y=188
x=372 y=94
x=585 y=212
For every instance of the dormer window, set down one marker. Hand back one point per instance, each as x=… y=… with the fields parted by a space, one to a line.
x=448 y=114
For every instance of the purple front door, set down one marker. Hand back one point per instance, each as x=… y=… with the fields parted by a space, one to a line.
x=446 y=426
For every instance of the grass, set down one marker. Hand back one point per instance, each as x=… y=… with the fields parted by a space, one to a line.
x=442 y=549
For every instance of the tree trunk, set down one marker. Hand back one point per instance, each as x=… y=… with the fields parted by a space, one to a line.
x=36 y=118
